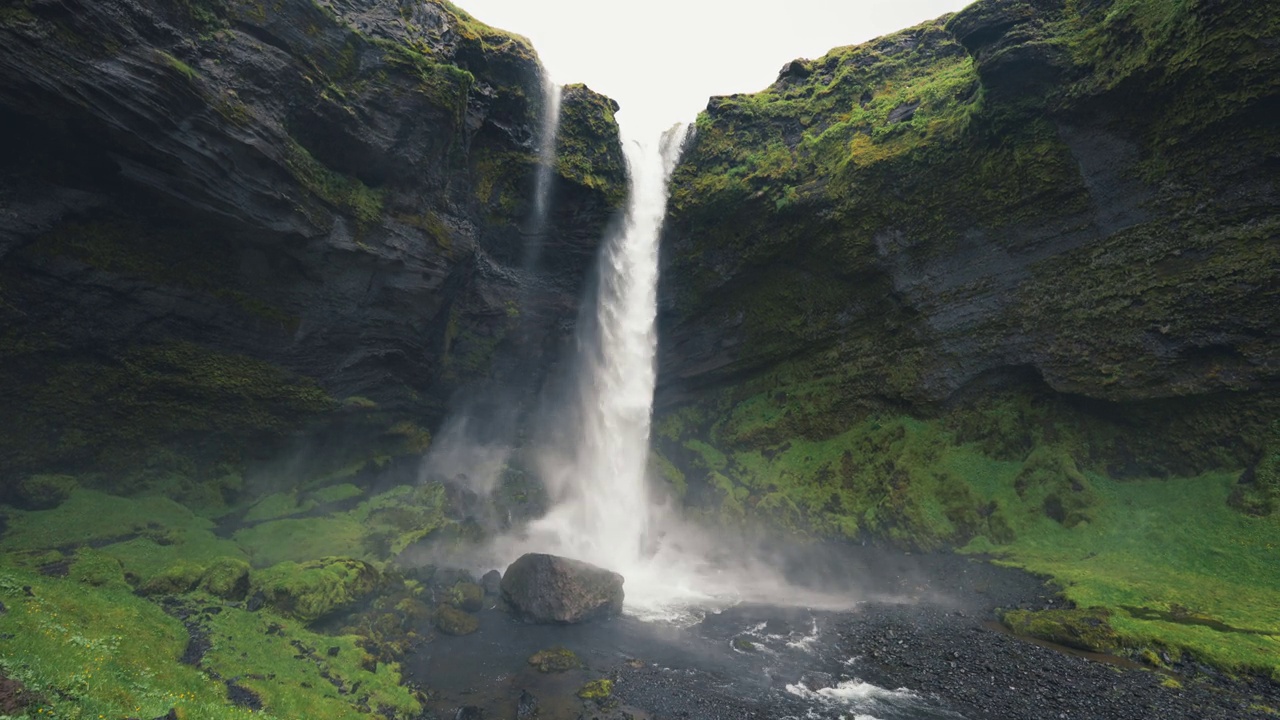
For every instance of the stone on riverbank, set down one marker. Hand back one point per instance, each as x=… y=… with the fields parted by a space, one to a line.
x=549 y=589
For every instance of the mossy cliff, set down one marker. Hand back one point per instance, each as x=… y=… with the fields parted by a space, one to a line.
x=1004 y=281
x=224 y=217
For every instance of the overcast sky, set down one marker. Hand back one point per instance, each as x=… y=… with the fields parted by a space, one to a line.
x=662 y=59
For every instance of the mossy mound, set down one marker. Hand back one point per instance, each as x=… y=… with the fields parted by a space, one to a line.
x=96 y=568
x=452 y=621
x=173 y=580
x=467 y=596
x=555 y=660
x=43 y=492
x=227 y=578
x=309 y=591
x=1083 y=629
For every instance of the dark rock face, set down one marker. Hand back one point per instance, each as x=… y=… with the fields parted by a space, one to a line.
x=549 y=589
x=1102 y=226
x=265 y=212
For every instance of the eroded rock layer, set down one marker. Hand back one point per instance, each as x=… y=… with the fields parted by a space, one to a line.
x=221 y=218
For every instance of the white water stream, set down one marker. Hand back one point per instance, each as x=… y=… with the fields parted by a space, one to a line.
x=543 y=180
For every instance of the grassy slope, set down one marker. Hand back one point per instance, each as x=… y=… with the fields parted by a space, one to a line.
x=89 y=645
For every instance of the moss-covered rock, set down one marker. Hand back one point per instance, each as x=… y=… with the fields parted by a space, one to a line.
x=598 y=690
x=96 y=568
x=227 y=578
x=588 y=151
x=467 y=596
x=554 y=660
x=1083 y=629
x=312 y=590
x=43 y=492
x=452 y=621
x=173 y=580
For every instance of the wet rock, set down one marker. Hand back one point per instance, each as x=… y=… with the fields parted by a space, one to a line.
x=527 y=706
x=469 y=712
x=550 y=589
x=452 y=621
x=467 y=596
x=554 y=660
x=492 y=583
x=598 y=690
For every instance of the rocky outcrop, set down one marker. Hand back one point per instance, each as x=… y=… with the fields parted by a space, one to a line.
x=1036 y=235
x=1081 y=194
x=221 y=219
x=549 y=589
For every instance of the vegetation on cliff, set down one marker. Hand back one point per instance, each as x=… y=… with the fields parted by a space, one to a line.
x=1004 y=281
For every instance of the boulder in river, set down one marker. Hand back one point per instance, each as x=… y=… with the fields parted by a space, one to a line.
x=550 y=589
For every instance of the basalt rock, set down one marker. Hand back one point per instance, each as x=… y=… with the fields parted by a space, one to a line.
x=543 y=588
x=219 y=222
x=1029 y=192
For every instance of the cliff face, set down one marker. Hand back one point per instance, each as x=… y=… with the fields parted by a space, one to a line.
x=1089 y=193
x=1029 y=224
x=221 y=218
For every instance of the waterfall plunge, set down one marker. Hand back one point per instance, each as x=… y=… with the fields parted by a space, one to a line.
x=602 y=504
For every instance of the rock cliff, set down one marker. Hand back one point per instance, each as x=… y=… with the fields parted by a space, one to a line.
x=220 y=219
x=1074 y=202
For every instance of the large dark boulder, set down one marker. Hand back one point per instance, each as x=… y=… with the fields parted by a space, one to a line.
x=550 y=589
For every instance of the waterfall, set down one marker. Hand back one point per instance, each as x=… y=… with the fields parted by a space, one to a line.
x=543 y=180
x=602 y=509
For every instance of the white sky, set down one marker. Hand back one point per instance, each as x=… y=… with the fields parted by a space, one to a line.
x=662 y=59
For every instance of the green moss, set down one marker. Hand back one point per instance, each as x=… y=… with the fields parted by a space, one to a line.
x=555 y=660
x=298 y=673
x=1086 y=629
x=340 y=191
x=92 y=650
x=375 y=529
x=588 y=150
x=113 y=411
x=662 y=468
x=596 y=690
x=227 y=578
x=467 y=596
x=312 y=590
x=452 y=621
x=181 y=67
x=43 y=492
x=1172 y=563
x=96 y=568
x=173 y=580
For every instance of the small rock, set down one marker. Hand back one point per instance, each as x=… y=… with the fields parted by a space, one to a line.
x=554 y=660
x=527 y=707
x=492 y=583
x=452 y=621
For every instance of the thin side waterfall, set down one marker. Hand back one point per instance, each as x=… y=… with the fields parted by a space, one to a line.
x=543 y=180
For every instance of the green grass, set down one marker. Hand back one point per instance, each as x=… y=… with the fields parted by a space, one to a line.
x=293 y=687
x=1175 y=547
x=379 y=527
x=100 y=651
x=1175 y=562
